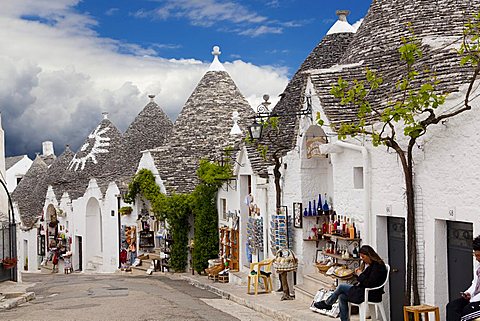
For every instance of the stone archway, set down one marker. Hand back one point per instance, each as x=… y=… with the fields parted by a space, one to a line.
x=93 y=231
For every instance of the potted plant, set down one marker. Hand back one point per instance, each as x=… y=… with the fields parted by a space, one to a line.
x=125 y=210
x=9 y=262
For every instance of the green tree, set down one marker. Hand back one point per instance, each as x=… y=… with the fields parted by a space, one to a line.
x=405 y=119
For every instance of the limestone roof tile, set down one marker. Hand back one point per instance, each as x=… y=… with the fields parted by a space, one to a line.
x=30 y=193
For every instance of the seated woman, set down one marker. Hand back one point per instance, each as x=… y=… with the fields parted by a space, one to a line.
x=372 y=273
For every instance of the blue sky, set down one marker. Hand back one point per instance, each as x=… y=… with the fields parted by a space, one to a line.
x=262 y=32
x=71 y=60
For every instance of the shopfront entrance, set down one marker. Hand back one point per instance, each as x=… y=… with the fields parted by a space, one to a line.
x=396 y=257
x=459 y=257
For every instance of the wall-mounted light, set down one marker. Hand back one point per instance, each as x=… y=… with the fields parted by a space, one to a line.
x=256 y=129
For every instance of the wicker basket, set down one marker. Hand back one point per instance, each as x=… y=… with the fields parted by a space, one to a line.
x=322 y=268
x=285 y=261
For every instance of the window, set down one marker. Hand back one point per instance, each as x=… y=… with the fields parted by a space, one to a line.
x=223 y=208
x=358 y=177
x=19 y=178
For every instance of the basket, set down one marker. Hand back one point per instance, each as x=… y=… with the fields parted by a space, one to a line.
x=285 y=261
x=322 y=267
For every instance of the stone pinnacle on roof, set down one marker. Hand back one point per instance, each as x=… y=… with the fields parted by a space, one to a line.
x=152 y=98
x=105 y=115
x=342 y=25
x=216 y=64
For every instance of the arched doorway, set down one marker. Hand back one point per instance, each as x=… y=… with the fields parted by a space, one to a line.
x=93 y=230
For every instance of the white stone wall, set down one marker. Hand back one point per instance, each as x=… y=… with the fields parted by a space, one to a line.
x=447 y=187
x=3 y=194
x=16 y=171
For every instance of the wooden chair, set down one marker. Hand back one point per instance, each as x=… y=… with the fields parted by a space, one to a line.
x=366 y=304
x=256 y=269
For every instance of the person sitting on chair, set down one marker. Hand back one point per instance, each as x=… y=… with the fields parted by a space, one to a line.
x=371 y=273
x=467 y=307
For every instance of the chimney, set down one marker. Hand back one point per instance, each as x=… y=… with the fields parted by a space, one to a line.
x=342 y=14
x=47 y=148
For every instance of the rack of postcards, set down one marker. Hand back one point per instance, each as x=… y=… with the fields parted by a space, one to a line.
x=255 y=234
x=281 y=236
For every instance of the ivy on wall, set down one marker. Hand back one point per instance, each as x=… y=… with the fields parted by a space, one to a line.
x=176 y=209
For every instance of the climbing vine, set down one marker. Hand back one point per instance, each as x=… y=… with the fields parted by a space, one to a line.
x=176 y=209
x=212 y=176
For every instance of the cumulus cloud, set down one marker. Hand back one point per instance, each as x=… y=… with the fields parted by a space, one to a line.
x=58 y=76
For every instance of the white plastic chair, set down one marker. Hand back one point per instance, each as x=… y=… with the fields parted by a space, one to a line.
x=366 y=304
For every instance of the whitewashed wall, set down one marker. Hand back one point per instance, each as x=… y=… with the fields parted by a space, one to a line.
x=18 y=170
x=3 y=194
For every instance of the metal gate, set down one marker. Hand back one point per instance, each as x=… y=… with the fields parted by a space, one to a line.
x=8 y=249
x=396 y=258
x=8 y=241
x=459 y=256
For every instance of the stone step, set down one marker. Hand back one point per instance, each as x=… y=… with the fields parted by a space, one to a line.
x=311 y=284
x=238 y=278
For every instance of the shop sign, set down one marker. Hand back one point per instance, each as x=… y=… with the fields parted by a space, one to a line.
x=313 y=147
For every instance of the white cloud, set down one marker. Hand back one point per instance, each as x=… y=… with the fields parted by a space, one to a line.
x=227 y=16
x=58 y=77
x=207 y=12
x=261 y=30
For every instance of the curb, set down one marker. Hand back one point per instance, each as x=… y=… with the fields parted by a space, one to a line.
x=14 y=302
x=277 y=315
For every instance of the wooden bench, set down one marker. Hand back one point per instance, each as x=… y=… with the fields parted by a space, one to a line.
x=418 y=309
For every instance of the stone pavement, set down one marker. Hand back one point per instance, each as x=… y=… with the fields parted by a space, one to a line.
x=13 y=294
x=266 y=303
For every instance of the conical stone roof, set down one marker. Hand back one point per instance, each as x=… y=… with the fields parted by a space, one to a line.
x=97 y=158
x=439 y=24
x=326 y=54
x=150 y=129
x=202 y=130
x=30 y=193
x=56 y=174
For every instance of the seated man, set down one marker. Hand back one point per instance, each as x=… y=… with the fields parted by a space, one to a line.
x=372 y=273
x=467 y=307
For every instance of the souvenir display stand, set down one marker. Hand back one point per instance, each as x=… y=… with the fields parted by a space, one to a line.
x=285 y=261
x=229 y=239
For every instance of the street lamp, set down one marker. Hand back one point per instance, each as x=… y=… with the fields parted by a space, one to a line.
x=263 y=113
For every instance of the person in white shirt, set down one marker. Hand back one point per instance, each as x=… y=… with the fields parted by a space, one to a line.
x=467 y=307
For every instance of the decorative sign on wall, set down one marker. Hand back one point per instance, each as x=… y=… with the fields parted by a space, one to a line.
x=313 y=147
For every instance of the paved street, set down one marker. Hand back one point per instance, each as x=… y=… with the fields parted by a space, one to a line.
x=120 y=297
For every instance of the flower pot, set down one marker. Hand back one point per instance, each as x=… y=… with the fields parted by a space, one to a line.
x=7 y=266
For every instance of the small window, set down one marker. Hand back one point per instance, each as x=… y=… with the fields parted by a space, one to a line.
x=19 y=179
x=358 y=177
x=223 y=208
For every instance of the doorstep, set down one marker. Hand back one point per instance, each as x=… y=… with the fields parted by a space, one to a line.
x=266 y=303
x=13 y=294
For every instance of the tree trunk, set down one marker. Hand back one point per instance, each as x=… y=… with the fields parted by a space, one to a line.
x=411 y=285
x=277 y=175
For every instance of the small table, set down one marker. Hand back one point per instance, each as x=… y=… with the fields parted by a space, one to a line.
x=418 y=309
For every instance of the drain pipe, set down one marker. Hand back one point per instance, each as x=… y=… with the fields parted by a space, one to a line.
x=367 y=181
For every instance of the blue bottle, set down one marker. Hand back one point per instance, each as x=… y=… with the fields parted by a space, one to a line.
x=314 y=211
x=310 y=208
x=325 y=205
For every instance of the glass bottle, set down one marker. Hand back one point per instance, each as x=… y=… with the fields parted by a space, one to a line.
x=319 y=205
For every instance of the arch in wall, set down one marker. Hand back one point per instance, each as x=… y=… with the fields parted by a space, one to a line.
x=93 y=229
